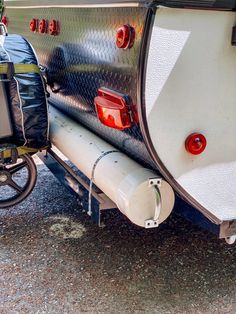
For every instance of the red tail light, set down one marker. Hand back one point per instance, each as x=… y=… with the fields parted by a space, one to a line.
x=195 y=143
x=113 y=109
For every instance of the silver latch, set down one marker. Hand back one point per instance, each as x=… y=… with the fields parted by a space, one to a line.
x=155 y=183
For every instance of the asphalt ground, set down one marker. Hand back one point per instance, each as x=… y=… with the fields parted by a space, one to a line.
x=53 y=259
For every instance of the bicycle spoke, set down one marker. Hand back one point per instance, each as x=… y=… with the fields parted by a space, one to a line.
x=15 y=186
x=17 y=167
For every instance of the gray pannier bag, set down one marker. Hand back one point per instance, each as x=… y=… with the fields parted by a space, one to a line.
x=22 y=87
x=23 y=116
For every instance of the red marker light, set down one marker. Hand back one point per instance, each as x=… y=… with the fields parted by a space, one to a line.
x=112 y=109
x=33 y=25
x=5 y=20
x=53 y=27
x=125 y=37
x=42 y=26
x=195 y=143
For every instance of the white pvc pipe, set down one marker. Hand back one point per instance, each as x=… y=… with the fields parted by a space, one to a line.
x=123 y=180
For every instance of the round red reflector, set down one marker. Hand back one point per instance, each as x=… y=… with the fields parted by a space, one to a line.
x=5 y=20
x=33 y=25
x=42 y=26
x=125 y=36
x=195 y=143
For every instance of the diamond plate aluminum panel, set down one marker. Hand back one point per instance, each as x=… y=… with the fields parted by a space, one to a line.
x=84 y=57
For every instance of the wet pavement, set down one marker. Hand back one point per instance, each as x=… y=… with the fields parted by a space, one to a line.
x=53 y=259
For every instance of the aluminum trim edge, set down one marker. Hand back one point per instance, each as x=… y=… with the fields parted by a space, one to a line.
x=204 y=4
x=15 y=4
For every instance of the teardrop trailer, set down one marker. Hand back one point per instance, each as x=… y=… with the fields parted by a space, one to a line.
x=142 y=102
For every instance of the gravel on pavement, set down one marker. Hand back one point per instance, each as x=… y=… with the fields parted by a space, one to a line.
x=54 y=259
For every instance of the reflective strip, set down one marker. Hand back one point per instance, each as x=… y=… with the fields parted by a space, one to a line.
x=20 y=68
x=27 y=150
x=22 y=150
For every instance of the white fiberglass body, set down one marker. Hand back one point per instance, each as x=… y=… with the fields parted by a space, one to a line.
x=191 y=87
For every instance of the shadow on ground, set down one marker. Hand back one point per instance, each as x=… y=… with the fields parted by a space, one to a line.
x=53 y=259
